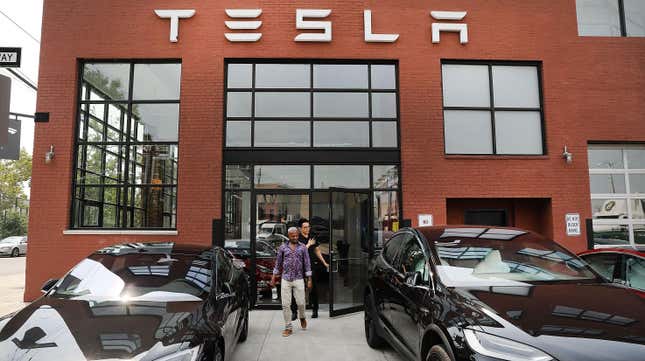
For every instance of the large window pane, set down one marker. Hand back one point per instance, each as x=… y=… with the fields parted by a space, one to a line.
x=343 y=176
x=337 y=76
x=341 y=134
x=637 y=208
x=385 y=177
x=240 y=76
x=605 y=158
x=282 y=176
x=383 y=105
x=341 y=105
x=518 y=132
x=516 y=86
x=238 y=104
x=383 y=77
x=154 y=164
x=639 y=234
x=386 y=216
x=607 y=183
x=282 y=76
x=466 y=85
x=635 y=158
x=637 y=183
x=635 y=17
x=111 y=80
x=384 y=135
x=238 y=134
x=156 y=81
x=609 y=208
x=598 y=17
x=239 y=176
x=611 y=234
x=467 y=132
x=282 y=105
x=160 y=122
x=282 y=134
x=148 y=204
x=237 y=215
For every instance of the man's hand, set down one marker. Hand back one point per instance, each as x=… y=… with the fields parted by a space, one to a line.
x=310 y=284
x=311 y=242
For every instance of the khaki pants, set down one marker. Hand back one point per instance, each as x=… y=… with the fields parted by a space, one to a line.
x=298 y=287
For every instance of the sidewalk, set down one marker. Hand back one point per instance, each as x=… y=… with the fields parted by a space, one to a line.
x=338 y=339
x=12 y=284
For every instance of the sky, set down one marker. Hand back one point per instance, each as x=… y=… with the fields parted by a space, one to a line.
x=28 y=15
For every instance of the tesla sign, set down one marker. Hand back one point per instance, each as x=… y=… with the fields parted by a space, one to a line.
x=244 y=25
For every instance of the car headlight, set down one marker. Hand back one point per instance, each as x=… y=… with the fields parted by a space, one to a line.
x=502 y=348
x=174 y=352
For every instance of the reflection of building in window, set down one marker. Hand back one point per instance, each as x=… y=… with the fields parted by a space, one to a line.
x=555 y=256
x=199 y=275
x=124 y=342
x=485 y=233
x=570 y=330
x=463 y=252
x=516 y=267
x=572 y=312
x=150 y=270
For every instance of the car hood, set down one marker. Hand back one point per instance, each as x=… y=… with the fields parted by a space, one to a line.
x=60 y=329
x=568 y=321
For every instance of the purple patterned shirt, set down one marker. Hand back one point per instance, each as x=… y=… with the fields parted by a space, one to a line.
x=291 y=262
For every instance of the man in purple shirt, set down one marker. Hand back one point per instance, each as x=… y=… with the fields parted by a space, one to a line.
x=294 y=265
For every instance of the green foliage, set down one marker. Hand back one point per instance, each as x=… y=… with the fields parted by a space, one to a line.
x=13 y=175
x=112 y=87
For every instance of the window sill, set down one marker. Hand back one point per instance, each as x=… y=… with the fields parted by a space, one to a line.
x=496 y=157
x=117 y=232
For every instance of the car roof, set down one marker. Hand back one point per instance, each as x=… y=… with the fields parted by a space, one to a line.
x=155 y=247
x=449 y=233
x=613 y=250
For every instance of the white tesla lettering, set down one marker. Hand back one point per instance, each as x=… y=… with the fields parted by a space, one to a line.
x=303 y=24
x=376 y=38
x=174 y=16
x=243 y=25
x=437 y=28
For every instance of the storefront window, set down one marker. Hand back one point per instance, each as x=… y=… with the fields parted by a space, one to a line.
x=617 y=182
x=304 y=105
x=127 y=146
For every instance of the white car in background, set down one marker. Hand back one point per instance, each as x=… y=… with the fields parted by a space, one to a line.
x=13 y=246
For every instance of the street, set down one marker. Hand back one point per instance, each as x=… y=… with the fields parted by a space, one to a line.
x=12 y=283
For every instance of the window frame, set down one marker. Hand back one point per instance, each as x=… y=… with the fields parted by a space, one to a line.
x=622 y=19
x=127 y=143
x=628 y=196
x=492 y=108
x=311 y=90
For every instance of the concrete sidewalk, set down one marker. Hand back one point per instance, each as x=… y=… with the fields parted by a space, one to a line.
x=12 y=284
x=338 y=339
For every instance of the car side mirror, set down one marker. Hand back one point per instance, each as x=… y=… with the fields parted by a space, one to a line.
x=48 y=285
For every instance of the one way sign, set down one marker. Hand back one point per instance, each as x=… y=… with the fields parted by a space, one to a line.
x=10 y=57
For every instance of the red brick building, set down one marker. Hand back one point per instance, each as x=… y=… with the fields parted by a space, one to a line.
x=154 y=139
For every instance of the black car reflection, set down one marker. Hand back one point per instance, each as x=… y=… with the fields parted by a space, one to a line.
x=143 y=301
x=480 y=293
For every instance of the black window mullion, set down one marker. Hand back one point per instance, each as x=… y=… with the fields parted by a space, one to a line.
x=622 y=16
x=492 y=107
x=311 y=106
x=252 y=106
x=369 y=103
x=127 y=196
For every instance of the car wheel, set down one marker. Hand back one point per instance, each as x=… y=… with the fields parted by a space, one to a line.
x=15 y=252
x=245 y=328
x=374 y=340
x=438 y=353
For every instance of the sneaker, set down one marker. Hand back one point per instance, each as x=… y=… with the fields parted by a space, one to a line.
x=287 y=332
x=303 y=323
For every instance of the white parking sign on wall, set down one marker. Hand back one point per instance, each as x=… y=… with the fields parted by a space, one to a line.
x=573 y=224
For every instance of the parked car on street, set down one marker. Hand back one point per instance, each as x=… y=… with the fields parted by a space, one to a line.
x=143 y=301
x=619 y=265
x=13 y=246
x=488 y=293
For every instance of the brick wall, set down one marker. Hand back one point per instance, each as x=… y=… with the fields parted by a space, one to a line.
x=593 y=90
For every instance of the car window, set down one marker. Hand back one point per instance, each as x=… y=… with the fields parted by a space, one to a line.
x=393 y=247
x=603 y=263
x=635 y=272
x=224 y=265
x=412 y=259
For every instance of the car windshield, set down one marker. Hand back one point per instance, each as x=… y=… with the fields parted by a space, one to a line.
x=266 y=228
x=499 y=257
x=141 y=276
x=11 y=240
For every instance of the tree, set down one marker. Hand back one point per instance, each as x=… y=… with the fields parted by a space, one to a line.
x=14 y=176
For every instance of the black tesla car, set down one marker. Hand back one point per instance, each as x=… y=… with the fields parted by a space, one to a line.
x=481 y=293
x=143 y=301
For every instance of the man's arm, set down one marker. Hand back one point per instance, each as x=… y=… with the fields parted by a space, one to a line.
x=278 y=266
x=320 y=257
x=307 y=263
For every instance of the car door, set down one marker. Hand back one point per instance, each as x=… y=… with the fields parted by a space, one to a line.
x=226 y=299
x=414 y=292
x=385 y=293
x=397 y=304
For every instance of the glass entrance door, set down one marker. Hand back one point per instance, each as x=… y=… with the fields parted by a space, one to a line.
x=349 y=240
